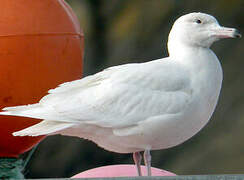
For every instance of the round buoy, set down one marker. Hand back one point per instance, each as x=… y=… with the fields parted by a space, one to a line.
x=41 y=46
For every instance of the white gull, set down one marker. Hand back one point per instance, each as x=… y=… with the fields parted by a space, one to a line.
x=143 y=106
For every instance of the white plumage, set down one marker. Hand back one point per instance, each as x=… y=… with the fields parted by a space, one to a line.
x=140 y=107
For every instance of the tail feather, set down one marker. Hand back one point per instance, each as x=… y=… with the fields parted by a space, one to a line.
x=37 y=111
x=43 y=128
x=21 y=108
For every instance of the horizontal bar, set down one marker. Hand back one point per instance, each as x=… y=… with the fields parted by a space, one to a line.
x=192 y=177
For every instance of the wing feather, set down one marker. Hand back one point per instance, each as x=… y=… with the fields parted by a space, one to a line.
x=123 y=95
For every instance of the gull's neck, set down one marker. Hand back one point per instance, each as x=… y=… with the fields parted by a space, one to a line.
x=193 y=56
x=201 y=62
x=203 y=65
x=178 y=49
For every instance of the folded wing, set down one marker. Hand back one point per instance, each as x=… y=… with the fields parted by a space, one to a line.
x=117 y=97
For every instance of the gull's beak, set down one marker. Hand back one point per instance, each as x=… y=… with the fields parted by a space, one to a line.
x=224 y=32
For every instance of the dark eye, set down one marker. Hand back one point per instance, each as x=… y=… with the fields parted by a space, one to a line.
x=198 y=21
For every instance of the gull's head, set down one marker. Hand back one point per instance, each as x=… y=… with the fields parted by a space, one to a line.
x=198 y=29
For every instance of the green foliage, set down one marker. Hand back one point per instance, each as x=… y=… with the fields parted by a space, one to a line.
x=11 y=168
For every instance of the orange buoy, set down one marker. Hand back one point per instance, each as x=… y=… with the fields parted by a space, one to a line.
x=41 y=46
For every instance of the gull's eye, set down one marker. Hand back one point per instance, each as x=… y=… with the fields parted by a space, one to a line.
x=198 y=21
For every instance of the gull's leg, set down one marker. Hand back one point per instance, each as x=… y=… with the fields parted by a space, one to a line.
x=137 y=159
x=147 y=161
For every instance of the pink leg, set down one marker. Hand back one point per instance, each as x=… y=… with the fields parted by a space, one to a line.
x=147 y=161
x=137 y=159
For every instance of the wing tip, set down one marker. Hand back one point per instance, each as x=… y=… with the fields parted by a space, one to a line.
x=5 y=113
x=23 y=133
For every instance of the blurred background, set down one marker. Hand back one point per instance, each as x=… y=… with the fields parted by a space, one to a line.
x=127 y=31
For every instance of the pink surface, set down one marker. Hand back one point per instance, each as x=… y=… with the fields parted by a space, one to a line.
x=120 y=171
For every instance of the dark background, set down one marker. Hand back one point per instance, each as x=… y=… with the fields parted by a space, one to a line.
x=126 y=31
